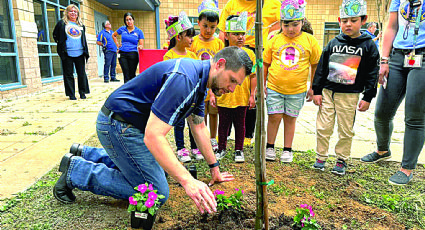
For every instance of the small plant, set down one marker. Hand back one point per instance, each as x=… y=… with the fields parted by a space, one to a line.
x=235 y=200
x=304 y=218
x=146 y=198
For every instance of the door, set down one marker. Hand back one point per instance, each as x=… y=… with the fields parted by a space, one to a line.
x=98 y=19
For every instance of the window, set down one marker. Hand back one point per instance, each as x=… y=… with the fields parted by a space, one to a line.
x=8 y=50
x=47 y=14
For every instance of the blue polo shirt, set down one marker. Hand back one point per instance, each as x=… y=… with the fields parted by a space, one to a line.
x=172 y=90
x=106 y=38
x=373 y=37
x=130 y=40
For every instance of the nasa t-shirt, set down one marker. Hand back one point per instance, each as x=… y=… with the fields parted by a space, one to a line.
x=408 y=17
x=74 y=46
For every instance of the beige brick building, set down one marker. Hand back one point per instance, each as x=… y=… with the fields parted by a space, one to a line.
x=28 y=58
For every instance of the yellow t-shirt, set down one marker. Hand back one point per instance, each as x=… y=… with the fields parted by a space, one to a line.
x=239 y=97
x=290 y=60
x=271 y=14
x=171 y=54
x=206 y=50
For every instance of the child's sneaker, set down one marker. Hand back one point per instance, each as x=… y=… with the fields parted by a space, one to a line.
x=197 y=154
x=247 y=141
x=183 y=155
x=286 y=157
x=270 y=154
x=214 y=144
x=319 y=165
x=239 y=158
x=340 y=167
x=220 y=154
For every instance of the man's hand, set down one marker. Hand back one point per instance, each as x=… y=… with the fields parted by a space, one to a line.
x=363 y=106
x=199 y=192
x=309 y=95
x=317 y=100
x=217 y=176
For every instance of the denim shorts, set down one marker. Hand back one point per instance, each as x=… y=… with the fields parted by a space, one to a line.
x=287 y=104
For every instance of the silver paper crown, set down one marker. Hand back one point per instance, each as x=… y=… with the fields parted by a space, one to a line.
x=208 y=5
x=352 y=8
x=181 y=25
x=237 y=24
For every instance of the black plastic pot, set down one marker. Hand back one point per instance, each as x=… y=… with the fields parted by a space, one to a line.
x=142 y=220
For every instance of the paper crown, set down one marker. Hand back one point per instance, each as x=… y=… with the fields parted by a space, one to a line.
x=237 y=24
x=352 y=8
x=209 y=5
x=176 y=25
x=292 y=10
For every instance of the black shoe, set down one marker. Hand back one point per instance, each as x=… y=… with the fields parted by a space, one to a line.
x=61 y=191
x=83 y=96
x=115 y=80
x=106 y=81
x=76 y=149
x=72 y=98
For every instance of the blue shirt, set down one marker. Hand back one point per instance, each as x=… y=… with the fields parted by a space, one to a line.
x=74 y=45
x=401 y=7
x=130 y=41
x=106 y=38
x=373 y=37
x=172 y=90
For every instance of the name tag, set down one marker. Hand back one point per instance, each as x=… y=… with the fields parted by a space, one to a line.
x=413 y=61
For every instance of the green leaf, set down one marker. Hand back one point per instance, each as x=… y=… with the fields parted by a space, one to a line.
x=143 y=208
x=131 y=208
x=151 y=211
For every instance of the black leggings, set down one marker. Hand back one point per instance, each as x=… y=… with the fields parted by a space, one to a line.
x=129 y=62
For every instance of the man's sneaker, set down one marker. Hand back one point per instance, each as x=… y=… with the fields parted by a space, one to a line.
x=247 y=141
x=319 y=165
x=375 y=157
x=339 y=168
x=286 y=157
x=183 y=155
x=214 y=144
x=220 y=154
x=239 y=158
x=197 y=154
x=399 y=178
x=270 y=154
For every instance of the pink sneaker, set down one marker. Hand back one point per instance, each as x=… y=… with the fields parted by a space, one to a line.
x=197 y=154
x=183 y=155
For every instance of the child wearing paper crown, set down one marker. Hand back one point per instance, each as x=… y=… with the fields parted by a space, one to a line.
x=232 y=106
x=180 y=32
x=206 y=45
x=288 y=57
x=347 y=67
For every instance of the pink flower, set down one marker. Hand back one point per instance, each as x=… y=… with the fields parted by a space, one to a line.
x=150 y=187
x=132 y=200
x=152 y=196
x=303 y=205
x=142 y=188
x=218 y=192
x=311 y=213
x=149 y=203
x=300 y=2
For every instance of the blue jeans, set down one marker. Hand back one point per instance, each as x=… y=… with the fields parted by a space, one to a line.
x=110 y=65
x=123 y=163
x=179 y=136
x=402 y=83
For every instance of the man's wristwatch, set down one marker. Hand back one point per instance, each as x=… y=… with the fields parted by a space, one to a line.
x=214 y=165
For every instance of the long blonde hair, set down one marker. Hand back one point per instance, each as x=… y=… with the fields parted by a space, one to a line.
x=65 y=14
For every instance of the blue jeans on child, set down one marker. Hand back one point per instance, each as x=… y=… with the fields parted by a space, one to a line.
x=402 y=83
x=110 y=65
x=123 y=163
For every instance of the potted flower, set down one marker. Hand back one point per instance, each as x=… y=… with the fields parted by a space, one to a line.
x=143 y=206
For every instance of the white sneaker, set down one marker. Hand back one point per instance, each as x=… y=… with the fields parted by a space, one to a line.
x=270 y=154
x=183 y=155
x=214 y=144
x=197 y=154
x=286 y=157
x=239 y=158
x=220 y=154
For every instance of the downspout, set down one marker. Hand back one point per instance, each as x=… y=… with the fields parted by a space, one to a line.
x=158 y=29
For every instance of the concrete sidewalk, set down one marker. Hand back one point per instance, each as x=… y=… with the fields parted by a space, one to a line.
x=37 y=130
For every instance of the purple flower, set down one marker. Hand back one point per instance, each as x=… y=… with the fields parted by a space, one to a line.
x=300 y=2
x=142 y=188
x=303 y=205
x=150 y=187
x=152 y=196
x=149 y=203
x=218 y=192
x=302 y=225
x=132 y=200
x=238 y=190
x=311 y=213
